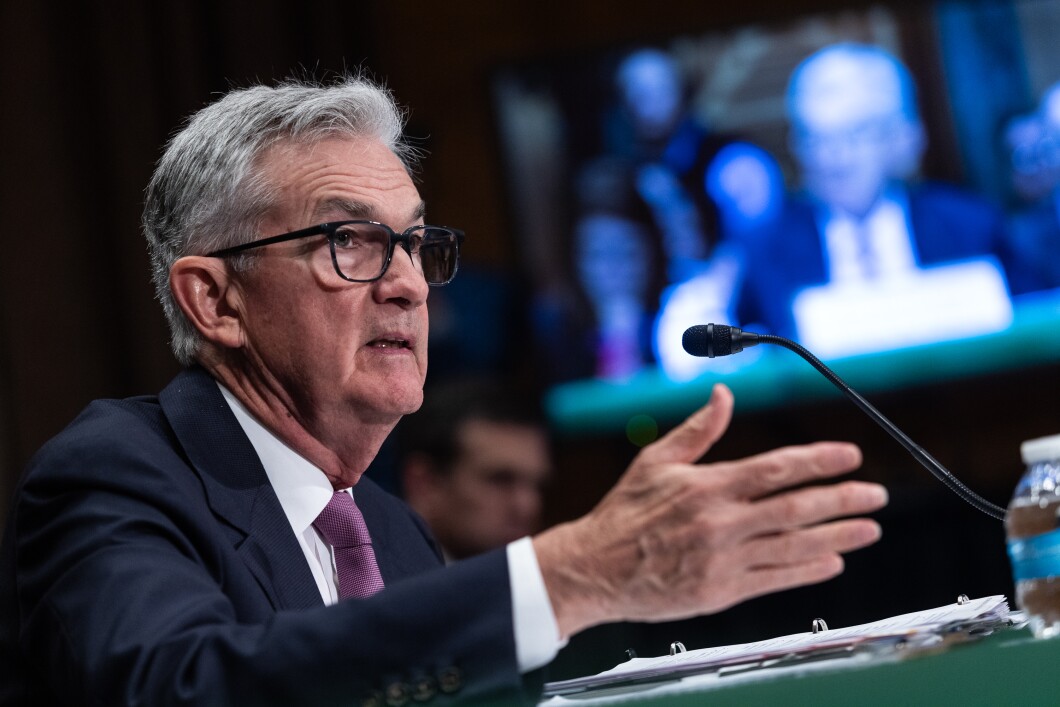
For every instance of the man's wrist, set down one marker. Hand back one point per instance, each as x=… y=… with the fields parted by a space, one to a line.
x=537 y=635
x=574 y=589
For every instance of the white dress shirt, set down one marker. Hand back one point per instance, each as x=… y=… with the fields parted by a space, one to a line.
x=304 y=491
x=879 y=245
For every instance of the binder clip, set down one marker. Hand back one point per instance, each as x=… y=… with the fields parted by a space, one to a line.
x=677 y=647
x=819 y=625
x=962 y=600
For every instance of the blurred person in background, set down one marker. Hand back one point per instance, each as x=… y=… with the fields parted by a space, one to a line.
x=862 y=218
x=1033 y=142
x=747 y=184
x=654 y=128
x=475 y=462
x=615 y=263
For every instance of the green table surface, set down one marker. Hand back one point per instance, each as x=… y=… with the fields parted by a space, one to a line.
x=1009 y=667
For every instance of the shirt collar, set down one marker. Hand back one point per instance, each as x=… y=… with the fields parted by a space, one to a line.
x=303 y=489
x=891 y=199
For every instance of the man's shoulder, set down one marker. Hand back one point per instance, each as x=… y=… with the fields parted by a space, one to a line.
x=111 y=420
x=133 y=419
x=105 y=432
x=952 y=199
x=114 y=434
x=951 y=223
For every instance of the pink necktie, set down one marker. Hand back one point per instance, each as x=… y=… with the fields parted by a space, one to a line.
x=342 y=525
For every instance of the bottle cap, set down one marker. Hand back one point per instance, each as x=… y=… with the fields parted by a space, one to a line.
x=1040 y=449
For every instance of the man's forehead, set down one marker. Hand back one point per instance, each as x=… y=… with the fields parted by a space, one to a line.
x=368 y=153
x=343 y=177
x=839 y=89
x=493 y=440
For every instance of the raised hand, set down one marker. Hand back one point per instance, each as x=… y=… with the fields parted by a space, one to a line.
x=675 y=538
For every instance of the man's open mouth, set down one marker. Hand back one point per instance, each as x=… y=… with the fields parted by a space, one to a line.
x=389 y=343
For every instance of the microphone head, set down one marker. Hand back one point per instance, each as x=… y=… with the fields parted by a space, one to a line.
x=711 y=340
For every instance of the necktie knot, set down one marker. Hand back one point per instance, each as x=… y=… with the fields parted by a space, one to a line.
x=343 y=527
x=341 y=522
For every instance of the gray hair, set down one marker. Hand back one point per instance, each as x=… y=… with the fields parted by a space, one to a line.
x=863 y=62
x=207 y=192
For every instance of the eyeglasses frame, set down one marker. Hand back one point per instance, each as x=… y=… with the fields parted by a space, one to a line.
x=330 y=228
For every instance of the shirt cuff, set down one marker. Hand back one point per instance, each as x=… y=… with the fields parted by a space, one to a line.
x=537 y=639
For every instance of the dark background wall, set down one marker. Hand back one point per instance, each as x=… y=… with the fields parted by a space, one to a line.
x=92 y=90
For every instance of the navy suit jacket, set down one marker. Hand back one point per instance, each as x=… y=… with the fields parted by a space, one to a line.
x=147 y=561
x=946 y=224
x=1035 y=235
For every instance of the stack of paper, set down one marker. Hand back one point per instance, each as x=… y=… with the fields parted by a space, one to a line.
x=967 y=615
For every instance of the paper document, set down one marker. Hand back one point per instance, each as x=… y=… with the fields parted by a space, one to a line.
x=954 y=617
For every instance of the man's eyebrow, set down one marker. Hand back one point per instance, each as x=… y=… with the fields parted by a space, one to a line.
x=351 y=209
x=360 y=210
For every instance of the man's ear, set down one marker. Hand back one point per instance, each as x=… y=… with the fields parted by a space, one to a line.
x=205 y=292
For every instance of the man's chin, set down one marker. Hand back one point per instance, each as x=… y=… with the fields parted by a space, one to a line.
x=408 y=401
x=387 y=403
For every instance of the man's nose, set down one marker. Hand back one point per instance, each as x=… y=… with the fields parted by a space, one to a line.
x=403 y=279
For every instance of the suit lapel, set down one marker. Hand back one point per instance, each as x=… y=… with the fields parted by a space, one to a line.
x=403 y=545
x=238 y=489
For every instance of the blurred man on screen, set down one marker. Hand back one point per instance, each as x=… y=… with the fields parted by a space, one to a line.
x=864 y=221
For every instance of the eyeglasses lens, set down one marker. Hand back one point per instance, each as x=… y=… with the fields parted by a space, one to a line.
x=361 y=248
x=438 y=255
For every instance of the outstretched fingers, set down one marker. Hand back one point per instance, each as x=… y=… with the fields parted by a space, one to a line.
x=808 y=544
x=803 y=557
x=812 y=505
x=765 y=474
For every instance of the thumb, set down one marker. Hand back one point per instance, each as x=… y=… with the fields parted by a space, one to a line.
x=691 y=439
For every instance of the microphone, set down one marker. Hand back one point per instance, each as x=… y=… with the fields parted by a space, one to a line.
x=713 y=340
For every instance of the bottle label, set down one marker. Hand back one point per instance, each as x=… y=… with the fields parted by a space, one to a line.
x=1035 y=557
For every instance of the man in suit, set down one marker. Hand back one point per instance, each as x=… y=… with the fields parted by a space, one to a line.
x=205 y=546
x=857 y=137
x=475 y=459
x=1034 y=151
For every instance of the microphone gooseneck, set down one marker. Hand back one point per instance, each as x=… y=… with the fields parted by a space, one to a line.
x=713 y=340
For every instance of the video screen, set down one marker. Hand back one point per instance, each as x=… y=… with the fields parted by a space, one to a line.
x=881 y=185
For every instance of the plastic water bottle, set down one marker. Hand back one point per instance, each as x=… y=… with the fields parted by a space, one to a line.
x=1032 y=525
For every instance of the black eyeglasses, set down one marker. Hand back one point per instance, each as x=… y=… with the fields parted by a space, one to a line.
x=361 y=250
